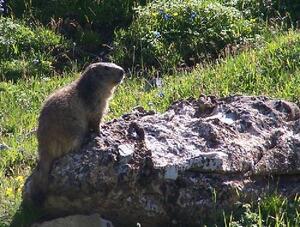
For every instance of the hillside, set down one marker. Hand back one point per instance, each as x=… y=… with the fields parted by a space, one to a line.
x=171 y=50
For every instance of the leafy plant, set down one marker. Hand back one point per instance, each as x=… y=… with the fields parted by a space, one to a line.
x=167 y=34
x=282 y=12
x=80 y=18
x=26 y=51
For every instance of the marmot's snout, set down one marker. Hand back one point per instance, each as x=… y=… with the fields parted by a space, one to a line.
x=121 y=76
x=118 y=73
x=107 y=71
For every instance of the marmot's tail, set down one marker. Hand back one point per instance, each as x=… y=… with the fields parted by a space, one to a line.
x=36 y=186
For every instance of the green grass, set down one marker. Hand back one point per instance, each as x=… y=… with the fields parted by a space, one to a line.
x=273 y=70
x=271 y=210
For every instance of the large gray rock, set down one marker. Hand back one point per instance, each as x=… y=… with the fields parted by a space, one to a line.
x=199 y=157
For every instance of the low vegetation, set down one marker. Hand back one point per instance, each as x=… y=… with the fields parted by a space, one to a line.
x=28 y=51
x=167 y=34
x=236 y=47
x=90 y=23
x=270 y=211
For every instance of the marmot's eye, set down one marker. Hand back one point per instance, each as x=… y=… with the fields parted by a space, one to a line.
x=106 y=68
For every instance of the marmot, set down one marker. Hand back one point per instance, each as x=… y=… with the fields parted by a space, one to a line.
x=68 y=115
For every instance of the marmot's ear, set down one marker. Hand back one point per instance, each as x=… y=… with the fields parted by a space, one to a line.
x=92 y=66
x=89 y=71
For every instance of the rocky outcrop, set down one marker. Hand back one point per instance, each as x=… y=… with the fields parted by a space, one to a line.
x=181 y=166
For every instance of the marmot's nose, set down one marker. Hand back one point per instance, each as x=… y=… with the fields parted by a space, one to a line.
x=122 y=73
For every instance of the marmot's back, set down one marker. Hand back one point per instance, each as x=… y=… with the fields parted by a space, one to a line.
x=61 y=122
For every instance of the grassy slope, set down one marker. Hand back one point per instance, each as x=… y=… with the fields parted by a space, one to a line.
x=272 y=70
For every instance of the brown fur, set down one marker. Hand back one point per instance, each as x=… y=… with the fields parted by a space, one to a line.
x=69 y=114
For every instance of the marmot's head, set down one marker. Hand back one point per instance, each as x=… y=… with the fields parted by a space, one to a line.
x=107 y=73
x=99 y=79
x=104 y=74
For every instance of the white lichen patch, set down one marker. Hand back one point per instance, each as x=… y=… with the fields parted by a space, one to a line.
x=126 y=152
x=209 y=161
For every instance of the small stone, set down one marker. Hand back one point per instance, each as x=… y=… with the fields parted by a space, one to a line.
x=3 y=147
x=126 y=152
x=171 y=172
x=76 y=221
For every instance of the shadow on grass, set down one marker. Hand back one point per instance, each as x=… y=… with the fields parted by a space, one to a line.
x=26 y=215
